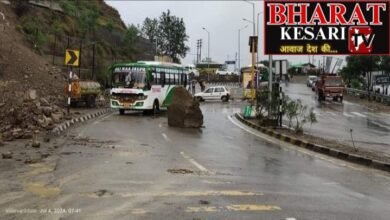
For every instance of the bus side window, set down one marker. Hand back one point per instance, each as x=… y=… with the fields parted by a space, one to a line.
x=162 y=79
x=155 y=80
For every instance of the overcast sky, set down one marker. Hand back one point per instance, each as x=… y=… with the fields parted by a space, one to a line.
x=221 y=18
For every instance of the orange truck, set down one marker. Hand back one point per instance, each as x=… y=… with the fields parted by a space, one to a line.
x=85 y=91
x=330 y=86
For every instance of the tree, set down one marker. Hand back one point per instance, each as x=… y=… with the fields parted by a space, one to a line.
x=385 y=63
x=130 y=39
x=150 y=30
x=170 y=33
x=360 y=66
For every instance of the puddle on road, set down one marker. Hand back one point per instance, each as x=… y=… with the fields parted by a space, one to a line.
x=41 y=190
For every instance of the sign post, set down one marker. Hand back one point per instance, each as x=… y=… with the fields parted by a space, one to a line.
x=72 y=58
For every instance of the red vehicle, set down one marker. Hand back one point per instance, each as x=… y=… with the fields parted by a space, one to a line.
x=330 y=86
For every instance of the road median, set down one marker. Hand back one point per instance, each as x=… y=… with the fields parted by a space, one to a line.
x=66 y=124
x=355 y=157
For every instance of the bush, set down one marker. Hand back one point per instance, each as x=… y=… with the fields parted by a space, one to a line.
x=295 y=109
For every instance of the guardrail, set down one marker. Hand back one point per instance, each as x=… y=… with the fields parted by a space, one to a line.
x=385 y=99
x=237 y=93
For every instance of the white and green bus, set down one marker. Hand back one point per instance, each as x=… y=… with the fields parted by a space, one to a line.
x=145 y=85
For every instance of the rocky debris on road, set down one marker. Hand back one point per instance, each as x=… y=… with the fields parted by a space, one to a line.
x=33 y=160
x=103 y=193
x=184 y=111
x=180 y=171
x=36 y=144
x=7 y=155
x=204 y=202
x=27 y=114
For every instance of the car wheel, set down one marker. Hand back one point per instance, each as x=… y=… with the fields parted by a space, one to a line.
x=200 y=99
x=121 y=111
x=225 y=99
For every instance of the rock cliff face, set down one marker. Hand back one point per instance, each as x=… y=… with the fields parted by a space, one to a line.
x=184 y=111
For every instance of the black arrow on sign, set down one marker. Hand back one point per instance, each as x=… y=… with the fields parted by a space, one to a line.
x=73 y=57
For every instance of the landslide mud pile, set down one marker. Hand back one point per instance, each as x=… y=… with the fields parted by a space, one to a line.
x=31 y=89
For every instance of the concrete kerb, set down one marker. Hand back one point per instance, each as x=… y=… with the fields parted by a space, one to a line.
x=318 y=148
x=65 y=125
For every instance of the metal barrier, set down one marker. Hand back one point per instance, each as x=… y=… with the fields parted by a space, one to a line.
x=237 y=93
x=385 y=99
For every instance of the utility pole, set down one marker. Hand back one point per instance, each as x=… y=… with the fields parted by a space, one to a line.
x=200 y=50
x=197 y=51
x=208 y=54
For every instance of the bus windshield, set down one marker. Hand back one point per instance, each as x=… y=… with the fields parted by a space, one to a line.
x=131 y=79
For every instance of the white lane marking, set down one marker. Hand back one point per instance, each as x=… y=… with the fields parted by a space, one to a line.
x=348 y=115
x=193 y=162
x=359 y=114
x=293 y=147
x=165 y=137
x=291 y=219
x=160 y=125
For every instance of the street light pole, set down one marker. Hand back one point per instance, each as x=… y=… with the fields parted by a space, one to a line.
x=253 y=52
x=208 y=54
x=239 y=53
x=253 y=16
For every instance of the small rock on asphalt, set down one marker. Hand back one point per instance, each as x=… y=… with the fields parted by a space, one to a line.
x=7 y=155
x=204 y=202
x=36 y=144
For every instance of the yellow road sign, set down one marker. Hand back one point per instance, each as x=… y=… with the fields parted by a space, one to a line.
x=72 y=57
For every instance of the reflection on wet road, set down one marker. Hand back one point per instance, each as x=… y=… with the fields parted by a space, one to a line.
x=370 y=129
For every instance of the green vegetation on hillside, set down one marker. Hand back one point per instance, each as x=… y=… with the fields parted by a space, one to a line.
x=90 y=23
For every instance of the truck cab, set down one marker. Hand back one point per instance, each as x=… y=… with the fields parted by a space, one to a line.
x=329 y=86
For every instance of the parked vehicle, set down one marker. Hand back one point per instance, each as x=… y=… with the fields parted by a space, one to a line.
x=310 y=80
x=214 y=93
x=330 y=85
x=83 y=91
x=313 y=85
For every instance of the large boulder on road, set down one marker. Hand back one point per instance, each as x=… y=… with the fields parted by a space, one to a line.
x=184 y=111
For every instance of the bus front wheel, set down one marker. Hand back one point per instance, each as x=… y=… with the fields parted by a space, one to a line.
x=156 y=107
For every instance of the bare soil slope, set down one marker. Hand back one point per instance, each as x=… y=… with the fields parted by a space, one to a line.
x=28 y=82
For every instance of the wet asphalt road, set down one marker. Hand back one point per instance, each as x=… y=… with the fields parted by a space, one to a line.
x=370 y=129
x=116 y=167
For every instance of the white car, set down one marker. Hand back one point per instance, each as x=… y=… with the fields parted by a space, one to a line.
x=310 y=80
x=214 y=93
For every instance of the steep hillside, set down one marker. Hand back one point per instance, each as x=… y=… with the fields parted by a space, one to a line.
x=33 y=39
